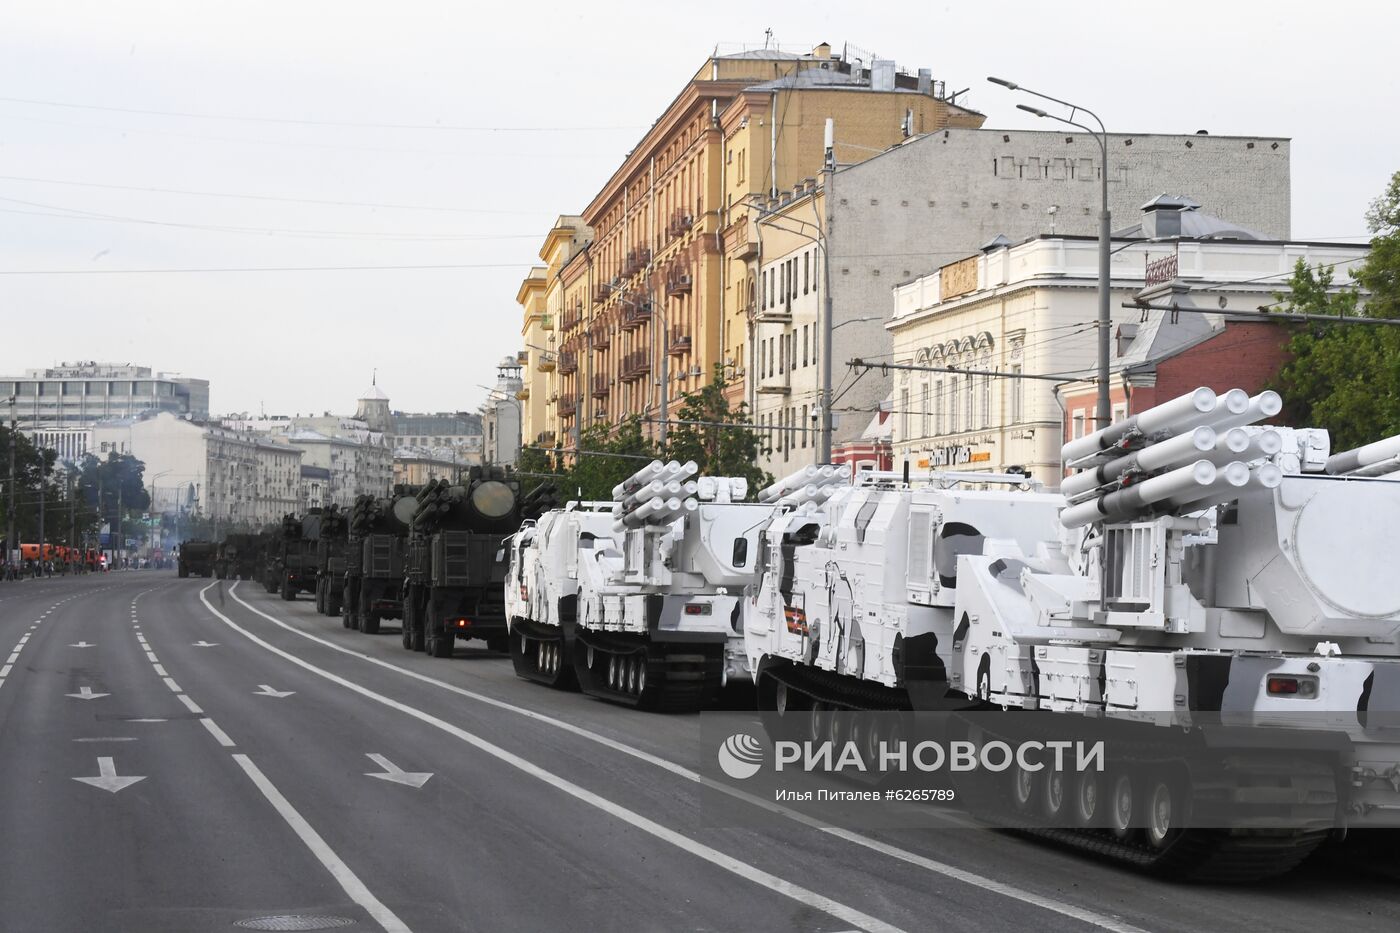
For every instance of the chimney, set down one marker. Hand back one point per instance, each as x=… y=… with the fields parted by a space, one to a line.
x=822 y=50
x=1161 y=217
x=882 y=74
x=925 y=81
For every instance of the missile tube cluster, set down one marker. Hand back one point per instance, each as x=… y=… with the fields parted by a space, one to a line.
x=1187 y=454
x=809 y=485
x=1378 y=459
x=657 y=494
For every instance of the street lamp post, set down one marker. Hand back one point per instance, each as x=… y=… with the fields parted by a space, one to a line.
x=10 y=544
x=1104 y=413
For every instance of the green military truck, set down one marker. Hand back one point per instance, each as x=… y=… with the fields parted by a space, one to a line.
x=197 y=557
x=374 y=565
x=330 y=561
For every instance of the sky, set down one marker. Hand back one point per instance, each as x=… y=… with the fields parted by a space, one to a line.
x=308 y=136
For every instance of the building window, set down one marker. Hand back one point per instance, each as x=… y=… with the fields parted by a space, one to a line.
x=971 y=391
x=804 y=344
x=806 y=270
x=954 y=403
x=924 y=411
x=802 y=428
x=1018 y=395
x=1120 y=412
x=938 y=407
x=904 y=412
x=1077 y=431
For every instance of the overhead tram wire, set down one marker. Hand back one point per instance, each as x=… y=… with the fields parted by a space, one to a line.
x=263 y=197
x=252 y=269
x=292 y=121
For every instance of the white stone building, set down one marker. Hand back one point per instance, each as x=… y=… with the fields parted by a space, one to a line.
x=238 y=477
x=501 y=416
x=1030 y=309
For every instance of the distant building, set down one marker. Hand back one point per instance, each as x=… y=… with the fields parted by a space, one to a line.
x=458 y=431
x=415 y=468
x=356 y=453
x=1029 y=310
x=57 y=407
x=229 y=476
x=502 y=415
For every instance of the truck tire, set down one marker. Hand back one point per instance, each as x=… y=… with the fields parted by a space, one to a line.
x=369 y=622
x=183 y=571
x=332 y=602
x=441 y=645
x=289 y=592
x=407 y=637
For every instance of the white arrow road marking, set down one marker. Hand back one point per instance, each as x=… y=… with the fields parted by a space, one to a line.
x=267 y=691
x=85 y=693
x=83 y=644
x=107 y=779
x=393 y=772
x=205 y=644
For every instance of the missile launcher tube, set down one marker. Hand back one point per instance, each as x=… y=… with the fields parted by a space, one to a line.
x=1340 y=464
x=1136 y=499
x=1266 y=404
x=1172 y=415
x=1177 y=451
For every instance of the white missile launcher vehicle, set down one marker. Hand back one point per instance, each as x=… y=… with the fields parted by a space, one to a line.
x=641 y=601
x=542 y=587
x=1197 y=569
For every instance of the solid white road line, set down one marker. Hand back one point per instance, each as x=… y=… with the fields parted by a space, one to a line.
x=349 y=882
x=1103 y=921
x=742 y=869
x=219 y=735
x=191 y=705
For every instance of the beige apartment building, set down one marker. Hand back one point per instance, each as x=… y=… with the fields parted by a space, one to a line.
x=653 y=287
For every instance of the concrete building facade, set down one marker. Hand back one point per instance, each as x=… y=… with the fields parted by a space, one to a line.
x=501 y=416
x=57 y=406
x=982 y=326
x=231 y=476
x=657 y=301
x=913 y=209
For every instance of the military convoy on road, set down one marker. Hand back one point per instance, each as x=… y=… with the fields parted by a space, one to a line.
x=1195 y=567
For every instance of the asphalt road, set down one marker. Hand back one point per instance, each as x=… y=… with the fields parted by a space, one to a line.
x=288 y=768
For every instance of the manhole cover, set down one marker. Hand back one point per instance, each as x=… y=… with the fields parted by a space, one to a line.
x=294 y=922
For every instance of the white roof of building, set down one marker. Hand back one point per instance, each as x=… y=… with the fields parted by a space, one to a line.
x=373 y=393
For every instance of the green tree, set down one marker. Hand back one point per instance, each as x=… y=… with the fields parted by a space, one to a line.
x=605 y=457
x=719 y=442
x=536 y=466
x=1346 y=378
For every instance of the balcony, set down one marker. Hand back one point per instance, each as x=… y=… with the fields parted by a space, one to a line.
x=523 y=394
x=545 y=364
x=776 y=384
x=740 y=240
x=602 y=292
x=779 y=313
x=602 y=336
x=567 y=406
x=679 y=281
x=680 y=223
x=546 y=322
x=568 y=362
x=602 y=386
x=544 y=439
x=635 y=365
x=680 y=342
x=635 y=315
x=635 y=262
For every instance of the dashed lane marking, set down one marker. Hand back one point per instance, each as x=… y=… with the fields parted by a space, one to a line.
x=745 y=870
x=1094 y=918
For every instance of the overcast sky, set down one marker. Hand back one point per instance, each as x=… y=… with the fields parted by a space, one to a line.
x=451 y=134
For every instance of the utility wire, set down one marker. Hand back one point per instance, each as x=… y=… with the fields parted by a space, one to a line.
x=301 y=122
x=242 y=269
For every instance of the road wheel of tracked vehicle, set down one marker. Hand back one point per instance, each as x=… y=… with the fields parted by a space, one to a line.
x=1165 y=813
x=819 y=725
x=1121 y=801
x=1088 y=799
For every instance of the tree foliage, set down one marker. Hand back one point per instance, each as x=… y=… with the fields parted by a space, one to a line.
x=718 y=442
x=1346 y=378
x=37 y=469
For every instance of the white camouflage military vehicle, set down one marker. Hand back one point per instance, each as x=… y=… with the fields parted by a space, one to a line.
x=1197 y=571
x=641 y=602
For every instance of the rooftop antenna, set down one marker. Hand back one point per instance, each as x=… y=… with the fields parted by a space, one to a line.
x=767 y=35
